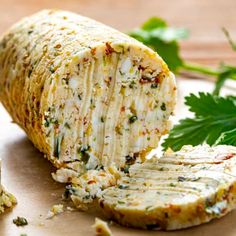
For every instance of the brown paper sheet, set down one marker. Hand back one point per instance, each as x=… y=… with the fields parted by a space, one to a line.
x=27 y=175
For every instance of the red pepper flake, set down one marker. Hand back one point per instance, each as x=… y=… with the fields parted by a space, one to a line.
x=222 y=158
x=101 y=203
x=157 y=80
x=157 y=130
x=122 y=109
x=57 y=46
x=141 y=67
x=200 y=207
x=145 y=80
x=108 y=82
x=27 y=112
x=228 y=156
x=175 y=209
x=109 y=49
x=93 y=51
x=85 y=120
x=38 y=104
x=91 y=182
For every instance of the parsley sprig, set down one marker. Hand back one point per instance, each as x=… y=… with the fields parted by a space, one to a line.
x=214 y=122
x=155 y=33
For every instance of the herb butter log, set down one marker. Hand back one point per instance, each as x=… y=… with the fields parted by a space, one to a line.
x=85 y=94
x=7 y=200
x=179 y=190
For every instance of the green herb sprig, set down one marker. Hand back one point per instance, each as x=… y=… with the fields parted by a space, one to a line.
x=214 y=122
x=156 y=34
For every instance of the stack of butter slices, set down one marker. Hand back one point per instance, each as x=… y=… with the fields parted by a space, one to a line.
x=179 y=190
x=7 y=200
x=96 y=102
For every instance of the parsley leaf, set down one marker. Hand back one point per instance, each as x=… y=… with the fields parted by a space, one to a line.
x=214 y=118
x=226 y=72
x=228 y=138
x=156 y=34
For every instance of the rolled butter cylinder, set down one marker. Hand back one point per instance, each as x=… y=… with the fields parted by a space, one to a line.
x=85 y=94
x=7 y=200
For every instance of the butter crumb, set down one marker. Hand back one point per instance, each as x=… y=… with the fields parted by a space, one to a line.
x=102 y=228
x=55 y=210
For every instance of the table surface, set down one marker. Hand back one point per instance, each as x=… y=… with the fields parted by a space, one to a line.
x=28 y=175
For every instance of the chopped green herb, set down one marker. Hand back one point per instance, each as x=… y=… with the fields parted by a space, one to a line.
x=51 y=69
x=132 y=84
x=83 y=151
x=130 y=159
x=79 y=96
x=126 y=169
x=172 y=185
x=181 y=179
x=196 y=179
x=46 y=122
x=148 y=208
x=120 y=202
x=155 y=85
x=123 y=186
x=163 y=106
x=67 y=125
x=69 y=191
x=132 y=119
x=30 y=72
x=20 y=221
x=57 y=146
x=121 y=73
x=153 y=226
x=66 y=80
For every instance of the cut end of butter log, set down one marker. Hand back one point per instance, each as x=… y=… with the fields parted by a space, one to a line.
x=7 y=200
x=87 y=95
x=179 y=190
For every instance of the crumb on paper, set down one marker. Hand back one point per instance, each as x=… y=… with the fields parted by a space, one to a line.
x=55 y=210
x=70 y=208
x=41 y=224
x=102 y=228
x=20 y=221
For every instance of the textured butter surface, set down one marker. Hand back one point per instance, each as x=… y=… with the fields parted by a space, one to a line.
x=86 y=95
x=179 y=190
